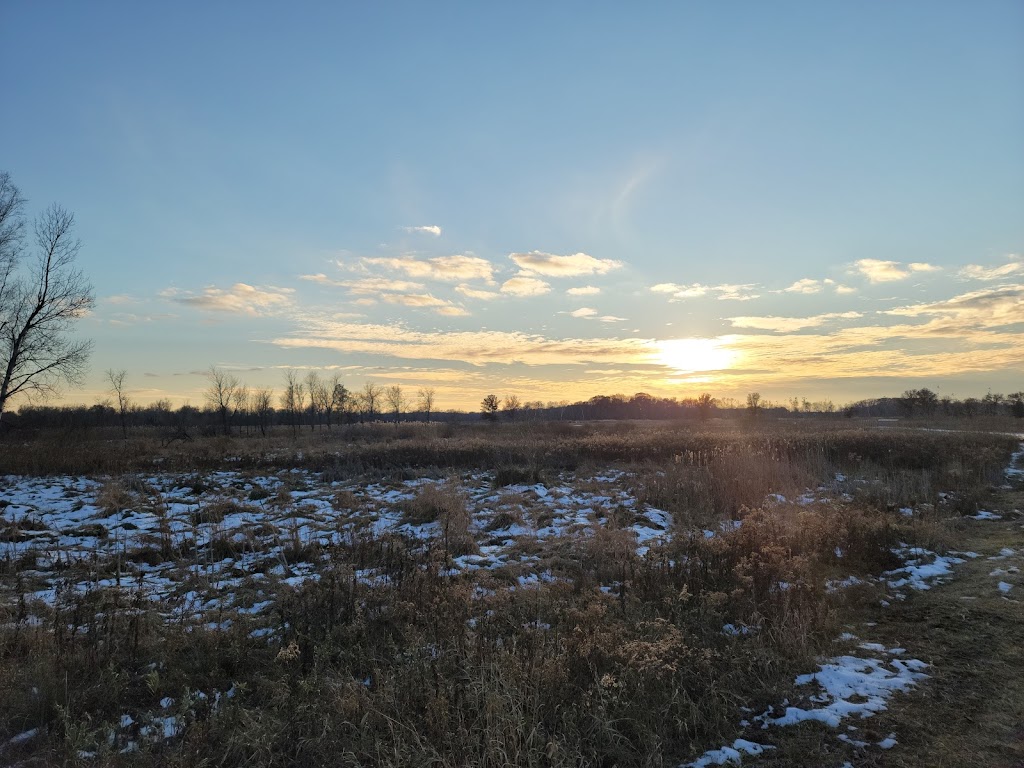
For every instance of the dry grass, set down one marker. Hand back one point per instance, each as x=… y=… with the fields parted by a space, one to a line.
x=610 y=659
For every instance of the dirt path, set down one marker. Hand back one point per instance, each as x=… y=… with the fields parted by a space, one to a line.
x=971 y=632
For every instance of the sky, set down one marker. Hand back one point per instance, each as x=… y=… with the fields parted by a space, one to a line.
x=552 y=200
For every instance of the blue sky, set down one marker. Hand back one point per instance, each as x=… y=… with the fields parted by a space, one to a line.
x=260 y=186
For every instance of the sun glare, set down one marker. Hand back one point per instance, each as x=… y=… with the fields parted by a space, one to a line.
x=694 y=355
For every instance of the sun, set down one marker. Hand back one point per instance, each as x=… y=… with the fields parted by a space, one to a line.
x=694 y=355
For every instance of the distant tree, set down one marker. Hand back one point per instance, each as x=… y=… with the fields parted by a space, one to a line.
x=293 y=400
x=263 y=408
x=425 y=399
x=37 y=310
x=337 y=399
x=511 y=406
x=489 y=407
x=395 y=398
x=1017 y=404
x=754 y=404
x=369 y=400
x=318 y=396
x=220 y=394
x=241 y=401
x=121 y=401
x=705 y=406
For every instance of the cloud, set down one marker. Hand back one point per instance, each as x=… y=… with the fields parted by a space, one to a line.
x=452 y=268
x=725 y=291
x=612 y=319
x=240 y=298
x=573 y=265
x=525 y=286
x=1014 y=266
x=789 y=324
x=584 y=290
x=428 y=229
x=475 y=293
x=584 y=312
x=589 y=313
x=877 y=271
x=425 y=301
x=367 y=286
x=844 y=290
x=986 y=308
x=804 y=285
x=473 y=347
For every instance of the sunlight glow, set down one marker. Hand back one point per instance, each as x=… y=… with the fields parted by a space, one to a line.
x=694 y=355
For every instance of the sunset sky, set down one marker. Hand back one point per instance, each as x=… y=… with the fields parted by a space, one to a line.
x=555 y=200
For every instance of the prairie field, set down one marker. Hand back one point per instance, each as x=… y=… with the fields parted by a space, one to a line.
x=546 y=594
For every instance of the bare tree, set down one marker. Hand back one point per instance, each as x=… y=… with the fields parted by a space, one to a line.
x=116 y=379
x=38 y=309
x=317 y=396
x=426 y=401
x=370 y=399
x=220 y=394
x=263 y=406
x=395 y=398
x=511 y=406
x=293 y=399
x=241 y=399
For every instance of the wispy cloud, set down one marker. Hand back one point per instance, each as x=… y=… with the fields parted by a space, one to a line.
x=368 y=286
x=790 y=324
x=589 y=313
x=525 y=286
x=805 y=285
x=1014 y=266
x=450 y=268
x=474 y=347
x=584 y=290
x=476 y=293
x=240 y=298
x=724 y=292
x=584 y=312
x=878 y=271
x=986 y=308
x=427 y=229
x=572 y=265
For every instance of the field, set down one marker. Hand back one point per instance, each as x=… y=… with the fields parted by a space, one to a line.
x=634 y=594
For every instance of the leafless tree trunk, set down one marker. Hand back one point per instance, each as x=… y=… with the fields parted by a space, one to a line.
x=293 y=400
x=263 y=405
x=318 y=397
x=116 y=379
x=395 y=398
x=241 y=400
x=37 y=312
x=370 y=398
x=426 y=401
x=220 y=394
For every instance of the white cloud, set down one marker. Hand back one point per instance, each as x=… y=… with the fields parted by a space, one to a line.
x=584 y=290
x=1014 y=266
x=240 y=298
x=804 y=285
x=844 y=290
x=878 y=271
x=986 y=308
x=476 y=293
x=455 y=268
x=725 y=291
x=612 y=319
x=428 y=229
x=790 y=324
x=572 y=265
x=525 y=286
x=584 y=312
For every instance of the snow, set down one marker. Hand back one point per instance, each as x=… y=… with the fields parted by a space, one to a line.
x=733 y=754
x=1004 y=587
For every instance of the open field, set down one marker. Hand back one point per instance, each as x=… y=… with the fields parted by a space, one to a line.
x=555 y=594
